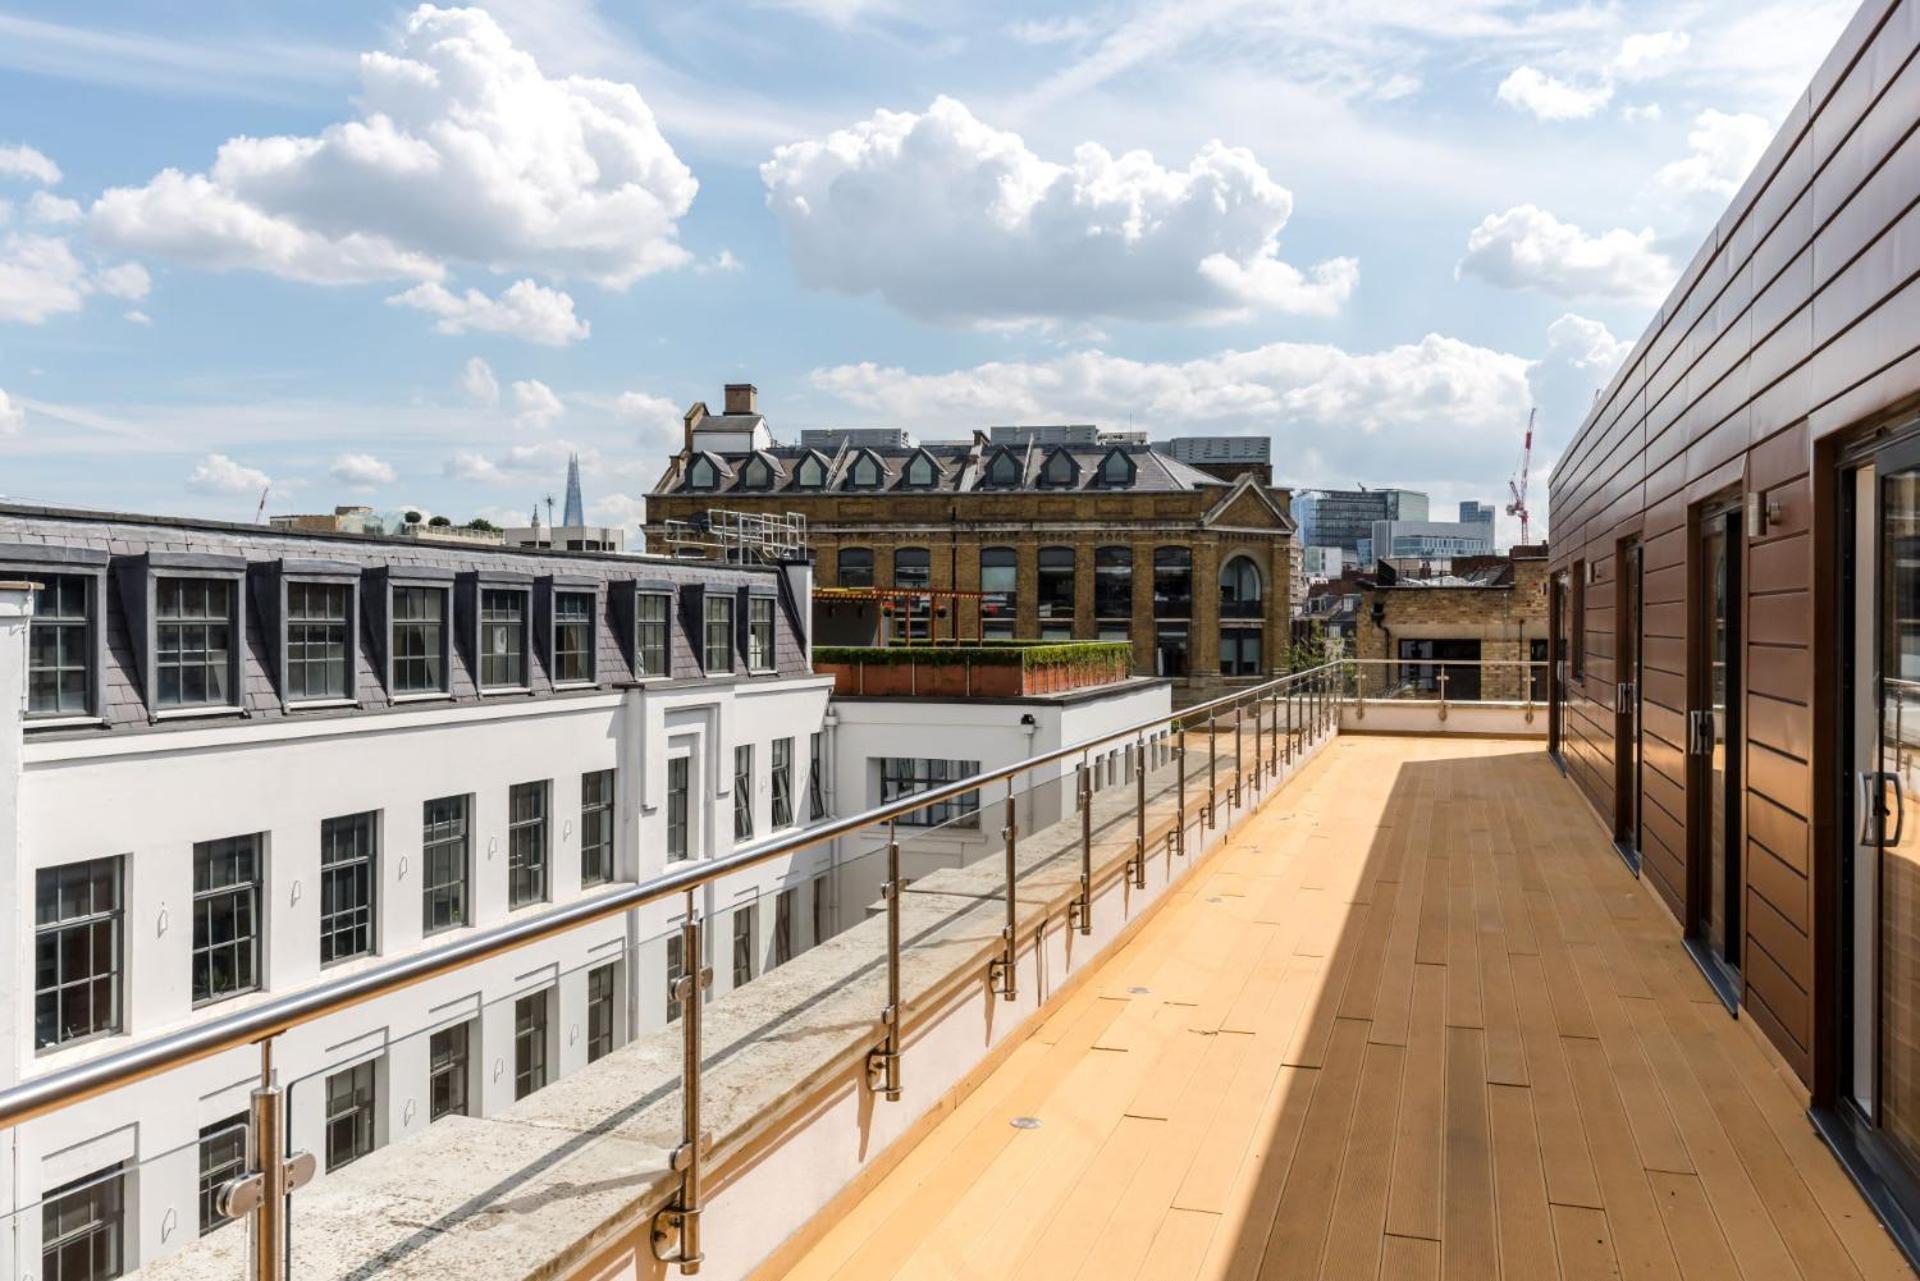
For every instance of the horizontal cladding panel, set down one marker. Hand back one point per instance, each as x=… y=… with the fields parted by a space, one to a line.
x=1781 y=779
x=1780 y=671
x=1665 y=585
x=1780 y=618
x=1783 y=726
x=1664 y=723
x=1787 y=945
x=1779 y=829
x=1785 y=1000
x=1778 y=884
x=1669 y=689
x=1667 y=618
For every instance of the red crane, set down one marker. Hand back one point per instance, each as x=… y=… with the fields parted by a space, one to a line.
x=1518 y=486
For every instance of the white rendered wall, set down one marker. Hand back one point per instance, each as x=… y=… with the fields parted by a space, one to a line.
x=150 y=797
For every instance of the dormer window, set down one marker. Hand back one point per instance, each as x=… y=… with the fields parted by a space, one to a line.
x=702 y=474
x=1060 y=470
x=811 y=474
x=1116 y=469
x=757 y=474
x=866 y=472
x=1003 y=469
x=921 y=471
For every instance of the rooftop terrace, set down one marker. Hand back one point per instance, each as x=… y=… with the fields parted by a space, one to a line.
x=1413 y=1020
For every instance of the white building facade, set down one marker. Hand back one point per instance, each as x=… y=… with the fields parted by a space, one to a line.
x=236 y=762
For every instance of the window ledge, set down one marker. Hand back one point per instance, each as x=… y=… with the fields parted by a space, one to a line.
x=506 y=691
x=197 y=713
x=576 y=684
x=321 y=704
x=62 y=722
x=424 y=696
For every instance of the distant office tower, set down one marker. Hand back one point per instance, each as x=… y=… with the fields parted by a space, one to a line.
x=1343 y=517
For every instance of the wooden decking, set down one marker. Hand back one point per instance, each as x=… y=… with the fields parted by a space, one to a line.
x=1416 y=1020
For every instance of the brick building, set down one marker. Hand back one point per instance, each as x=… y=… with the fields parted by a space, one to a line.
x=1108 y=537
x=1481 y=609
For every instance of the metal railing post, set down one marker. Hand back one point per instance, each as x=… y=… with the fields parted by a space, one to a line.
x=1273 y=754
x=1289 y=722
x=266 y=1144
x=1359 y=691
x=1180 y=786
x=1213 y=758
x=883 y=1065
x=676 y=1227
x=1239 y=802
x=1443 y=693
x=1140 y=819
x=1080 y=911
x=1005 y=970
x=1259 y=764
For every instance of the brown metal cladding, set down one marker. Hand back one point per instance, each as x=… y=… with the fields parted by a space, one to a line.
x=1798 y=319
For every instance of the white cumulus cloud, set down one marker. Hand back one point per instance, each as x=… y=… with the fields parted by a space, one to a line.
x=362 y=471
x=544 y=462
x=45 y=207
x=1550 y=98
x=477 y=380
x=39 y=277
x=219 y=474
x=523 y=310
x=1528 y=248
x=17 y=160
x=656 y=419
x=620 y=511
x=1724 y=149
x=1645 y=51
x=535 y=404
x=952 y=220
x=463 y=151
x=12 y=417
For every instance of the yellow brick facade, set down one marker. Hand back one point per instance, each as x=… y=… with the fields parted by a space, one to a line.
x=1505 y=619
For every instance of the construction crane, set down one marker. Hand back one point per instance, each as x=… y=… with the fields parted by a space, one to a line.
x=1518 y=485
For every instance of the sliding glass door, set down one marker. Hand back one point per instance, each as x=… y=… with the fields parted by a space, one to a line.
x=1714 y=733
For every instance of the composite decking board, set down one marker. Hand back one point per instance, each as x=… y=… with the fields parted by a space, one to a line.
x=1659 y=1142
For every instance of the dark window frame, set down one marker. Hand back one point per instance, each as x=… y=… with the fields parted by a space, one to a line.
x=1048 y=478
x=450 y=1071
x=643 y=603
x=746 y=919
x=679 y=798
x=351 y=1113
x=481 y=623
x=532 y=1053
x=598 y=812
x=717 y=634
x=246 y=899
x=350 y=867
x=1108 y=568
x=1171 y=564
x=816 y=785
x=780 y=779
x=221 y=1161
x=849 y=558
x=572 y=592
x=113 y=918
x=1047 y=579
x=236 y=623
x=742 y=792
x=903 y=776
x=395 y=587
x=443 y=835
x=603 y=1010
x=107 y=1189
x=292 y=576
x=529 y=846
x=762 y=633
x=89 y=568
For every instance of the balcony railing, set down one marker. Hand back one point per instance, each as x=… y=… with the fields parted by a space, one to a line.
x=1248 y=738
x=1500 y=695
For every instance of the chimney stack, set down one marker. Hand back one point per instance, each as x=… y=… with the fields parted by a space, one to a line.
x=696 y=413
x=743 y=398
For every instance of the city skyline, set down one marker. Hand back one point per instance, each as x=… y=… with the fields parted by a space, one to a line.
x=432 y=253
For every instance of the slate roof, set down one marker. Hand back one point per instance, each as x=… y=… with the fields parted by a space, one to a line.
x=29 y=536
x=962 y=470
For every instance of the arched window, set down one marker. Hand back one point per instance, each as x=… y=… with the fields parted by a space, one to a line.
x=854 y=567
x=1113 y=585
x=921 y=472
x=1116 y=469
x=1000 y=592
x=757 y=474
x=811 y=473
x=1003 y=469
x=1055 y=585
x=1240 y=588
x=1060 y=470
x=702 y=474
x=866 y=472
x=913 y=567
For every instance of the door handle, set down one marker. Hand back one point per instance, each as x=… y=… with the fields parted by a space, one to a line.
x=1699 y=735
x=1869 y=806
x=1899 y=807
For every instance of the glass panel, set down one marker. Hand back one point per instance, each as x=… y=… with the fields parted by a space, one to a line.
x=1717 y=566
x=1898 y=917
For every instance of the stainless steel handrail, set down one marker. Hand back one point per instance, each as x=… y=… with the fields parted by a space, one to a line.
x=69 y=1086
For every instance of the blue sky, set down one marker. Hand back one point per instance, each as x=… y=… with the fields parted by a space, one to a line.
x=415 y=256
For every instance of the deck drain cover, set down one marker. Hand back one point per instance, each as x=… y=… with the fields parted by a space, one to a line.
x=1139 y=991
x=1214 y=899
x=1026 y=1123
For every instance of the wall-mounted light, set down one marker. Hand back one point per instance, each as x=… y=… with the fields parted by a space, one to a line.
x=1763 y=512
